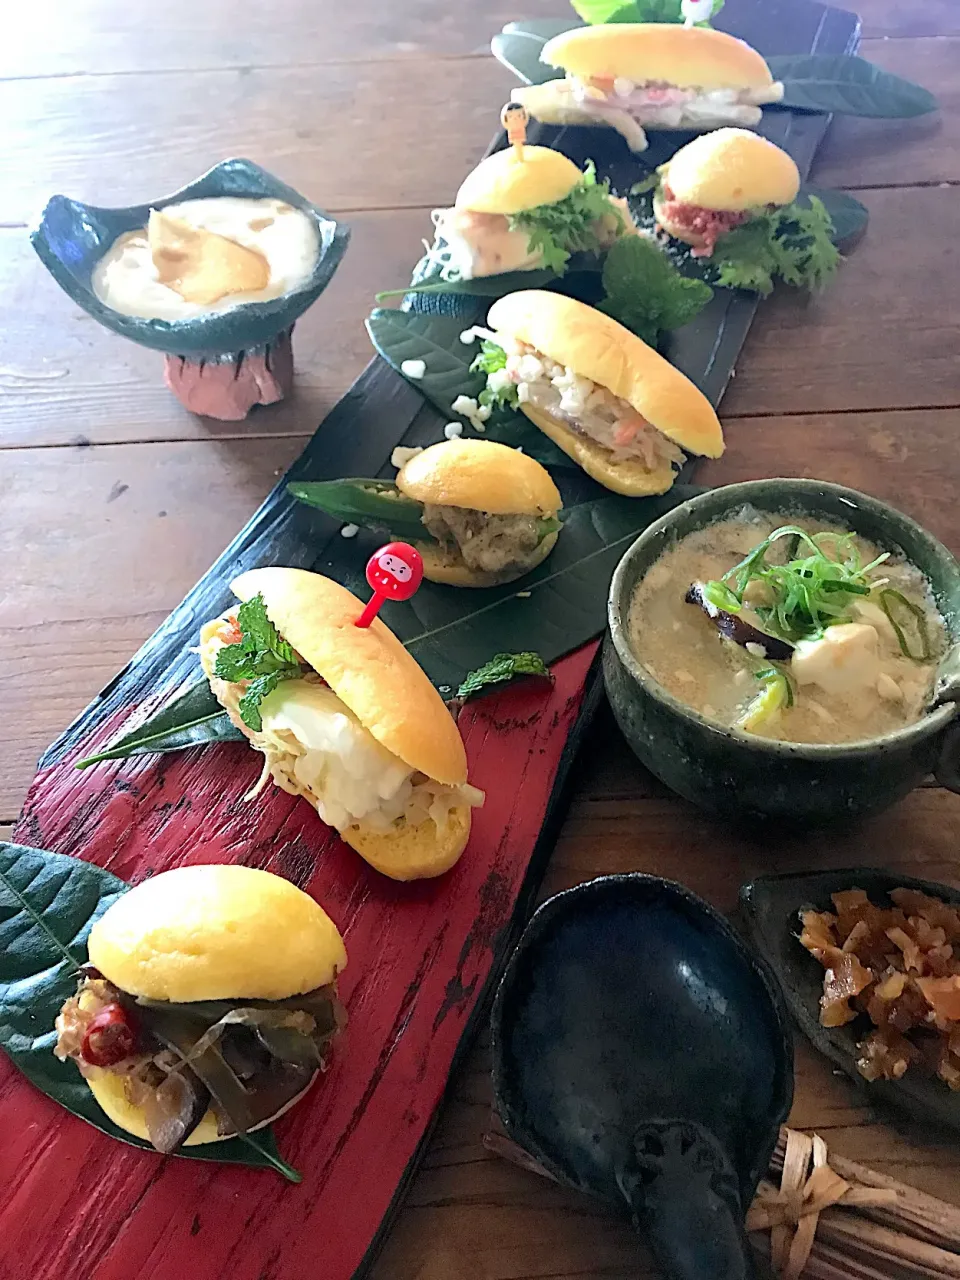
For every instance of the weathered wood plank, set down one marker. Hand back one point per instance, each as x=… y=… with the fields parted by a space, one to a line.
x=62 y=375
x=100 y=37
x=119 y=139
x=880 y=336
x=881 y=153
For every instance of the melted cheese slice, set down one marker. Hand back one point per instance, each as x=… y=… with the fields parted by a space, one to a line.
x=201 y=266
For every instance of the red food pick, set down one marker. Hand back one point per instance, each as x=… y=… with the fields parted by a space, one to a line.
x=395 y=572
x=110 y=1037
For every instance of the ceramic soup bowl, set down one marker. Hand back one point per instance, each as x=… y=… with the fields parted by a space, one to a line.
x=731 y=772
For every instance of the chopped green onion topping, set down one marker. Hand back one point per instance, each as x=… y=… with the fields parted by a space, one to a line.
x=914 y=619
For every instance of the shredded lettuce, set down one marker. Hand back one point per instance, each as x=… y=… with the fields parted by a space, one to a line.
x=645 y=292
x=793 y=244
x=569 y=225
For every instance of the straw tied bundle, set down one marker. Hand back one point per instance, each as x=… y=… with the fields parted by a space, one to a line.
x=820 y=1218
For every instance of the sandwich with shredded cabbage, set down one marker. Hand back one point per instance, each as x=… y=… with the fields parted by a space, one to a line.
x=524 y=209
x=344 y=717
x=732 y=196
x=208 y=1007
x=480 y=513
x=635 y=76
x=609 y=401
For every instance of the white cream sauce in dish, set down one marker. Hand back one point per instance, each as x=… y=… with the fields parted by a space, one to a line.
x=850 y=683
x=127 y=278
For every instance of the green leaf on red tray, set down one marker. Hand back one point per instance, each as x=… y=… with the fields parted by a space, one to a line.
x=191 y=718
x=48 y=904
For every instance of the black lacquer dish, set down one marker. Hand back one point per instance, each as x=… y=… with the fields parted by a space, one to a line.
x=642 y=1055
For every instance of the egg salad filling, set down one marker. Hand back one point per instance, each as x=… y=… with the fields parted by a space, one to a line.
x=314 y=746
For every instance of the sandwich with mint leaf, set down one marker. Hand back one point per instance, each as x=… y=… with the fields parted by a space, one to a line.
x=732 y=196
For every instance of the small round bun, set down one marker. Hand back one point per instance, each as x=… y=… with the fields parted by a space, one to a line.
x=107 y=1088
x=628 y=476
x=503 y=183
x=481 y=475
x=596 y=347
x=447 y=568
x=731 y=170
x=216 y=932
x=368 y=668
x=413 y=852
x=690 y=57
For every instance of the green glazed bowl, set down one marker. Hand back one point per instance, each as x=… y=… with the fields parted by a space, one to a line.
x=735 y=774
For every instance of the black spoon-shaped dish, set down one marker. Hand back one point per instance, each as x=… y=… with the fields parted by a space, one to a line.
x=771 y=907
x=643 y=1055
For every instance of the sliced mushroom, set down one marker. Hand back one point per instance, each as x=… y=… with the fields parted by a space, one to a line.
x=737 y=629
x=174 y=1109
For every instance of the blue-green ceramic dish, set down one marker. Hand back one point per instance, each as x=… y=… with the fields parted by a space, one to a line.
x=71 y=238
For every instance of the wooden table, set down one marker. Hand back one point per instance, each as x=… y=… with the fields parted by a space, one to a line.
x=114 y=500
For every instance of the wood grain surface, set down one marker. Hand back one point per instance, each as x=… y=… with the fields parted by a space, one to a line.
x=379 y=109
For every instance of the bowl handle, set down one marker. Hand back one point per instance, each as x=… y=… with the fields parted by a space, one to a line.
x=947 y=771
x=685 y=1200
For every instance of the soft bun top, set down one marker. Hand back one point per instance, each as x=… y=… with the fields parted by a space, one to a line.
x=690 y=57
x=216 y=933
x=732 y=170
x=482 y=475
x=503 y=183
x=597 y=347
x=367 y=668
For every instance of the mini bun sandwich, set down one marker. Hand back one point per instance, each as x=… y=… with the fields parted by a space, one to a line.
x=208 y=1007
x=609 y=401
x=525 y=208
x=480 y=513
x=721 y=181
x=491 y=510
x=344 y=717
x=651 y=75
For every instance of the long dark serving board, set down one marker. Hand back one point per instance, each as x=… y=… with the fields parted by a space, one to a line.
x=422 y=957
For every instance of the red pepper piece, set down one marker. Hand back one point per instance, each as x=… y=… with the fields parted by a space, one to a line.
x=110 y=1037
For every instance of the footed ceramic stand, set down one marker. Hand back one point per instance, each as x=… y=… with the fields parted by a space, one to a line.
x=229 y=386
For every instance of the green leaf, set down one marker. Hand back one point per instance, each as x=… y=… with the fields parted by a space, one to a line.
x=497 y=286
x=848 y=215
x=848 y=86
x=519 y=51
x=262 y=657
x=793 y=244
x=404 y=335
x=256 y=691
x=192 y=718
x=501 y=668
x=48 y=904
x=569 y=225
x=375 y=504
x=645 y=291
x=602 y=11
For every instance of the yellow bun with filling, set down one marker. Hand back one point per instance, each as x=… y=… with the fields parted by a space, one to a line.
x=689 y=57
x=555 y=102
x=107 y=1088
x=597 y=347
x=503 y=183
x=481 y=475
x=367 y=668
x=448 y=569
x=628 y=476
x=731 y=170
x=413 y=852
x=216 y=932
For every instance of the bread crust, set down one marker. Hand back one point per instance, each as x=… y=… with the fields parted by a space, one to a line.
x=731 y=170
x=597 y=347
x=367 y=668
x=629 y=477
x=503 y=183
x=689 y=57
x=482 y=475
x=413 y=852
x=262 y=937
